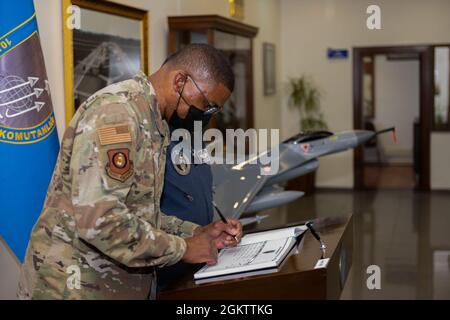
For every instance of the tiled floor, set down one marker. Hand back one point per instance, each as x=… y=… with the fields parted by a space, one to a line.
x=393 y=176
x=405 y=233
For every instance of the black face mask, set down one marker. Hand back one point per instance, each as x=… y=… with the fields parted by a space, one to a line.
x=194 y=114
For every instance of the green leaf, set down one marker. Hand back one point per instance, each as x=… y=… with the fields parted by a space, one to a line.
x=305 y=96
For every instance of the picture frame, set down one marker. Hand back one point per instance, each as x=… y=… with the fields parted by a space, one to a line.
x=109 y=44
x=236 y=9
x=269 y=71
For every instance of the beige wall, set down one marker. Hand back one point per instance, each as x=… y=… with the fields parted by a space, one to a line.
x=309 y=27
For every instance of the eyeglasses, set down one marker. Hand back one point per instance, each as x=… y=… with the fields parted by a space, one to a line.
x=211 y=108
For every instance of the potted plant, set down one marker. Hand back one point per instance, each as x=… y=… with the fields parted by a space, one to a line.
x=305 y=96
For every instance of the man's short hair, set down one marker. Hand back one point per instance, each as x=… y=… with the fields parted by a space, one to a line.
x=206 y=60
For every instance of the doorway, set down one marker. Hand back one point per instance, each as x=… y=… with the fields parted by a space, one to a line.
x=393 y=86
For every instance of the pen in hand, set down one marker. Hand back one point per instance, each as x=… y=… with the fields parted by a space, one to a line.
x=222 y=217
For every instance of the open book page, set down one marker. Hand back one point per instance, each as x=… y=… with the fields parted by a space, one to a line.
x=259 y=251
x=272 y=234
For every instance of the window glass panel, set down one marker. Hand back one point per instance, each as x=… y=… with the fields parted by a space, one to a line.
x=441 y=82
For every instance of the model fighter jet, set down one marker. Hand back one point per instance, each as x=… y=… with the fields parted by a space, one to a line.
x=242 y=189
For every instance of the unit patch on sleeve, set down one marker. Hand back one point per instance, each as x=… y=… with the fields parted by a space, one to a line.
x=119 y=166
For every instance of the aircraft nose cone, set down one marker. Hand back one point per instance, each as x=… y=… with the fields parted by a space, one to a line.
x=363 y=136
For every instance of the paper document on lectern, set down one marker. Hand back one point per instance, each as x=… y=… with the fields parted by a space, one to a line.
x=257 y=251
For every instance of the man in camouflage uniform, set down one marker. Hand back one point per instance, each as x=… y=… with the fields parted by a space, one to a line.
x=101 y=232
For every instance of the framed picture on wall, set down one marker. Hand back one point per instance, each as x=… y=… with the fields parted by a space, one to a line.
x=237 y=9
x=108 y=44
x=269 y=69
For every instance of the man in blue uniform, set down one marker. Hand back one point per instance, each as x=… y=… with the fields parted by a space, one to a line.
x=187 y=192
x=189 y=197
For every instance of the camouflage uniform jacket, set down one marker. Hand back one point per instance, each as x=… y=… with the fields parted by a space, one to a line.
x=101 y=232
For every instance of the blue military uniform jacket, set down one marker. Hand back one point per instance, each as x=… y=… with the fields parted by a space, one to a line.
x=188 y=197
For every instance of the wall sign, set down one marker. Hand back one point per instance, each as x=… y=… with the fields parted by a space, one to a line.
x=337 y=53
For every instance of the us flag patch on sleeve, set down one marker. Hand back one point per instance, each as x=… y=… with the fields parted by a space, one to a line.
x=114 y=134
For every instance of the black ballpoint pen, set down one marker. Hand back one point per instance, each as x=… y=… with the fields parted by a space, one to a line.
x=222 y=217
x=309 y=225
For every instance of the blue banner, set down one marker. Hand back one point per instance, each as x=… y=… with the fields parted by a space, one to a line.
x=28 y=138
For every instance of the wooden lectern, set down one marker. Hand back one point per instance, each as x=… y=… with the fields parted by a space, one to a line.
x=297 y=278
